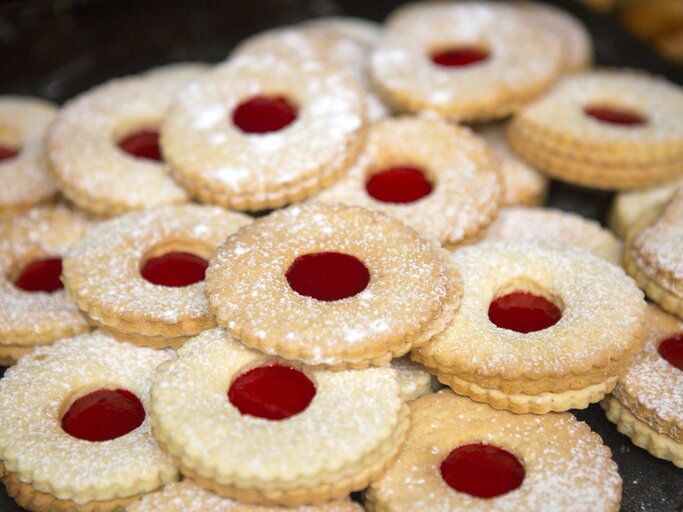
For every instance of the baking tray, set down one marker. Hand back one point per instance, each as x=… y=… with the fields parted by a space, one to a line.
x=57 y=49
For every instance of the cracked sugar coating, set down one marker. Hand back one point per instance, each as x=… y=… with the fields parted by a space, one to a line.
x=412 y=294
x=567 y=466
x=351 y=429
x=24 y=181
x=82 y=151
x=597 y=338
x=186 y=496
x=464 y=173
x=551 y=225
x=523 y=60
x=28 y=319
x=218 y=163
x=102 y=272
x=35 y=449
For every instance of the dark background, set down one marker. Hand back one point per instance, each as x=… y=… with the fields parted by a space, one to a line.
x=57 y=49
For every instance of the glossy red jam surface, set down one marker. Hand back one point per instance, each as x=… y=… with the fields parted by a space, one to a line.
x=273 y=392
x=175 y=269
x=41 y=276
x=7 y=152
x=482 y=470
x=523 y=312
x=328 y=276
x=459 y=57
x=614 y=115
x=263 y=114
x=142 y=144
x=671 y=349
x=398 y=185
x=103 y=415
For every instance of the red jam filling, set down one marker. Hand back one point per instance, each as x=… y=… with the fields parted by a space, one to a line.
x=41 y=276
x=103 y=415
x=263 y=114
x=273 y=392
x=401 y=184
x=523 y=312
x=482 y=470
x=175 y=269
x=7 y=152
x=142 y=144
x=671 y=349
x=459 y=57
x=614 y=115
x=328 y=276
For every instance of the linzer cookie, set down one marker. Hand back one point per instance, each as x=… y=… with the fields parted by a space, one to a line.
x=647 y=403
x=103 y=148
x=262 y=430
x=140 y=276
x=74 y=433
x=332 y=285
x=541 y=327
x=413 y=379
x=557 y=226
x=262 y=131
x=436 y=177
x=605 y=129
x=471 y=61
x=654 y=256
x=33 y=308
x=24 y=181
x=460 y=455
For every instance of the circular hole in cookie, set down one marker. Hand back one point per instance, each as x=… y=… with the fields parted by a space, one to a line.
x=264 y=114
x=399 y=184
x=273 y=392
x=671 y=349
x=8 y=152
x=42 y=275
x=459 y=56
x=482 y=470
x=328 y=276
x=142 y=144
x=103 y=415
x=523 y=311
x=612 y=114
x=174 y=268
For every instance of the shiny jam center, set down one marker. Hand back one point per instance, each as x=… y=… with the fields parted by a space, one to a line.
x=273 y=392
x=459 y=57
x=175 y=268
x=523 y=312
x=401 y=184
x=671 y=349
x=7 y=152
x=142 y=144
x=41 y=276
x=482 y=470
x=103 y=415
x=328 y=276
x=264 y=114
x=614 y=115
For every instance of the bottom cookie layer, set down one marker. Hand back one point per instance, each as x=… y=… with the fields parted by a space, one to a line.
x=10 y=354
x=664 y=298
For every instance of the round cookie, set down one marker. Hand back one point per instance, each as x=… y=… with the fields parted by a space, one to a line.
x=242 y=136
x=332 y=285
x=471 y=61
x=552 y=225
x=364 y=32
x=74 y=435
x=460 y=455
x=33 y=308
x=435 y=177
x=140 y=276
x=647 y=403
x=413 y=379
x=24 y=181
x=103 y=150
x=258 y=429
x=541 y=327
